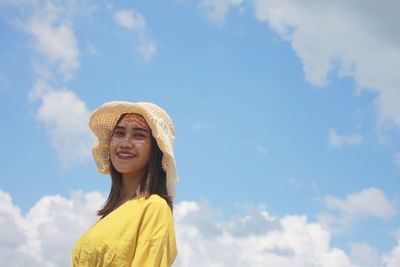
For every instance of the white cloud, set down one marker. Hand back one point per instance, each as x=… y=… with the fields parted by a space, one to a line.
x=255 y=239
x=45 y=236
x=12 y=235
x=130 y=19
x=40 y=88
x=392 y=259
x=355 y=39
x=370 y=202
x=340 y=140
x=50 y=23
x=65 y=116
x=216 y=10
x=62 y=113
x=135 y=22
x=55 y=40
x=364 y=254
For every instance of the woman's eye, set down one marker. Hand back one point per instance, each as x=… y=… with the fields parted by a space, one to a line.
x=140 y=135
x=119 y=133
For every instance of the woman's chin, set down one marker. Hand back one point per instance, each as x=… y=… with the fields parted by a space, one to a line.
x=127 y=171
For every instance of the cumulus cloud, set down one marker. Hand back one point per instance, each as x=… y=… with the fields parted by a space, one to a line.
x=255 y=239
x=392 y=259
x=46 y=234
x=337 y=140
x=135 y=22
x=54 y=38
x=50 y=24
x=65 y=117
x=370 y=202
x=355 y=39
x=365 y=255
x=61 y=111
x=216 y=10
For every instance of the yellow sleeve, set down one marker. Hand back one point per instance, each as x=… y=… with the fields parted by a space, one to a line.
x=156 y=246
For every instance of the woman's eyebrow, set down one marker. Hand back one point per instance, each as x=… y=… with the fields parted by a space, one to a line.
x=141 y=129
x=134 y=128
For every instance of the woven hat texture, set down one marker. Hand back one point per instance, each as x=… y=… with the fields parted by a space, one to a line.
x=103 y=120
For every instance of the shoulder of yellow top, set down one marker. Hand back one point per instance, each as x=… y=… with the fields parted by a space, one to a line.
x=156 y=201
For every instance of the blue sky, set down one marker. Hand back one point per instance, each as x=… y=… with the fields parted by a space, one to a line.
x=286 y=117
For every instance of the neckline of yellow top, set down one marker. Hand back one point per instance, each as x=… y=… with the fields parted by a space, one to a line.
x=129 y=199
x=121 y=205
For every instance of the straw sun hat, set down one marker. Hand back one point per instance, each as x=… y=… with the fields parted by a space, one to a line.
x=103 y=120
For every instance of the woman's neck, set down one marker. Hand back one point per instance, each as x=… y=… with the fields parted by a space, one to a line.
x=130 y=184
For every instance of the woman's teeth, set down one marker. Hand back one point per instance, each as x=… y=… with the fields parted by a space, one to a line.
x=125 y=155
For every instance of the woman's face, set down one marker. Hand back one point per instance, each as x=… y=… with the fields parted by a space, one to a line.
x=130 y=144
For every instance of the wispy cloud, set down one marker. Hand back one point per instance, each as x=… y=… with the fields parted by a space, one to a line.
x=4 y=82
x=135 y=22
x=92 y=50
x=370 y=202
x=57 y=56
x=355 y=40
x=216 y=10
x=392 y=259
x=257 y=147
x=261 y=149
x=397 y=158
x=337 y=140
x=364 y=254
x=201 y=126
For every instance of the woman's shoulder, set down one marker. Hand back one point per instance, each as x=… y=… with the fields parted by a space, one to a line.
x=155 y=202
x=156 y=208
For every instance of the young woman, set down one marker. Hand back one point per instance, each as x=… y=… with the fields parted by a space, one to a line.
x=136 y=228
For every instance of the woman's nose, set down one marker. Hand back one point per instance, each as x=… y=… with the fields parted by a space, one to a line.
x=127 y=141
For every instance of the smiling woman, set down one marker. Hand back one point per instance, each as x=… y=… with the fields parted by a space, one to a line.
x=136 y=227
x=130 y=149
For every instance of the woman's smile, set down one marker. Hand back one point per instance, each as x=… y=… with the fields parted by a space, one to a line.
x=130 y=144
x=125 y=155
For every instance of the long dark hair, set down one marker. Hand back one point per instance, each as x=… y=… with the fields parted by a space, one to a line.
x=153 y=182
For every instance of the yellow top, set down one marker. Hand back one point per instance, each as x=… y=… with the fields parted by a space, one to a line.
x=139 y=233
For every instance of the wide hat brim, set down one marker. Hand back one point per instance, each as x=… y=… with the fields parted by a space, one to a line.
x=103 y=120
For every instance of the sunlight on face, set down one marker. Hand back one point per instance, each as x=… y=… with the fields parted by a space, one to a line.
x=130 y=144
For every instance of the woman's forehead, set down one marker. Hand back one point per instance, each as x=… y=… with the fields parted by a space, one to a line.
x=134 y=119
